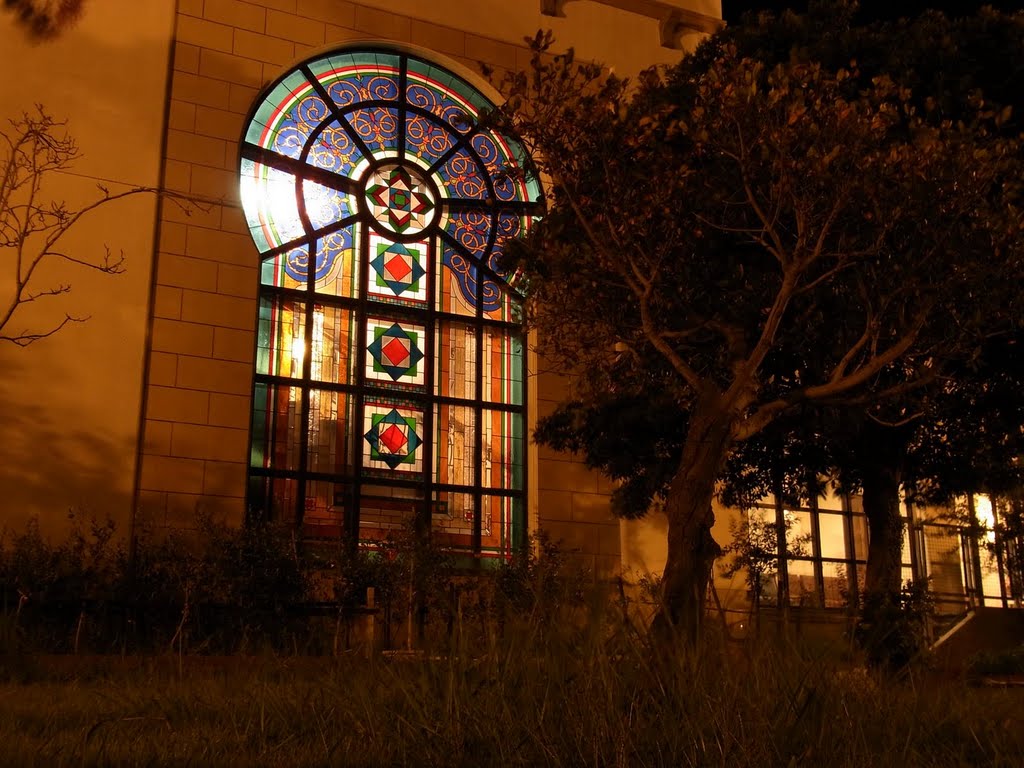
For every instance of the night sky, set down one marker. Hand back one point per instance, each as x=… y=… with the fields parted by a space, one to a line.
x=874 y=9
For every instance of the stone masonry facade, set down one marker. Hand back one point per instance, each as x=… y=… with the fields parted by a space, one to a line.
x=200 y=364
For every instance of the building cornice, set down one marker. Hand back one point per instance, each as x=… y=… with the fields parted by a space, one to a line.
x=674 y=19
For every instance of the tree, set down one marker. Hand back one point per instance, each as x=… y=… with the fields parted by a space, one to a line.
x=704 y=225
x=34 y=227
x=960 y=432
x=44 y=19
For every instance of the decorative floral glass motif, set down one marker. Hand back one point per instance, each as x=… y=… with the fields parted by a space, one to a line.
x=391 y=384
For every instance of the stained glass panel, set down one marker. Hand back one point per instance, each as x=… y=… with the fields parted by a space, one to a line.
x=501 y=305
x=462 y=178
x=398 y=270
x=503 y=367
x=426 y=139
x=392 y=437
x=456 y=438
x=287 y=270
x=351 y=78
x=331 y=359
x=445 y=95
x=455 y=367
x=372 y=165
x=387 y=511
x=510 y=227
x=471 y=230
x=281 y=338
x=395 y=352
x=324 y=205
x=271 y=208
x=455 y=278
x=503 y=450
x=325 y=502
x=276 y=423
x=330 y=449
x=501 y=519
x=335 y=151
x=377 y=127
x=287 y=116
x=506 y=176
x=337 y=266
x=452 y=520
x=400 y=200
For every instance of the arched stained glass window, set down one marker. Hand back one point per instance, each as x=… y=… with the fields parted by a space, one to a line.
x=390 y=373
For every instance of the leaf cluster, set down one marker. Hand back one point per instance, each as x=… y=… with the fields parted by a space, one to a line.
x=804 y=218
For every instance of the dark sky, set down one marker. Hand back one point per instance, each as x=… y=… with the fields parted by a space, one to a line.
x=874 y=9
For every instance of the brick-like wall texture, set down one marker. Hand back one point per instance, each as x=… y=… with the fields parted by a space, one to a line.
x=200 y=364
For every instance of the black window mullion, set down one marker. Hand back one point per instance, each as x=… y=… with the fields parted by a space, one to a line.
x=426 y=518
x=463 y=141
x=335 y=111
x=524 y=523
x=353 y=508
x=403 y=75
x=483 y=269
x=298 y=242
x=307 y=363
x=817 y=564
x=299 y=168
x=478 y=450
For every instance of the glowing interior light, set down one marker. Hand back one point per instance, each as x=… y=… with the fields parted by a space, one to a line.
x=983 y=509
x=298 y=351
x=271 y=193
x=321 y=203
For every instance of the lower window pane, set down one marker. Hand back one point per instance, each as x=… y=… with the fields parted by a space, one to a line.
x=325 y=505
x=281 y=338
x=836 y=583
x=452 y=520
x=330 y=433
x=393 y=434
x=273 y=498
x=501 y=525
x=276 y=427
x=455 y=427
x=833 y=537
x=386 y=512
x=503 y=450
x=802 y=584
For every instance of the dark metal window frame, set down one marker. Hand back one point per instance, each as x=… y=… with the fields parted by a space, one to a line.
x=362 y=308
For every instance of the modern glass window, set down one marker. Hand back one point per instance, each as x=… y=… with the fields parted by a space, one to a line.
x=390 y=376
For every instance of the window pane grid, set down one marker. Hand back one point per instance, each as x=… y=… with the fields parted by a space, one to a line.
x=389 y=367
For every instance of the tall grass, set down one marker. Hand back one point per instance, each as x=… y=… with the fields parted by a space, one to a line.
x=535 y=695
x=530 y=665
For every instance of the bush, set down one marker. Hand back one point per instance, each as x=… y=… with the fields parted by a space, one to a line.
x=1008 y=662
x=895 y=634
x=226 y=590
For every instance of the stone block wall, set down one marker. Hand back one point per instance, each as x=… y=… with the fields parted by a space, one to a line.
x=200 y=363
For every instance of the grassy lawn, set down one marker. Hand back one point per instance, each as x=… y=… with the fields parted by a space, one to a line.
x=571 y=704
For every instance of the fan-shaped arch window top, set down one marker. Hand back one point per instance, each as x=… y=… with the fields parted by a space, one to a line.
x=390 y=379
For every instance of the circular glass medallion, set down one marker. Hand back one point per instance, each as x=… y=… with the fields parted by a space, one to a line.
x=400 y=199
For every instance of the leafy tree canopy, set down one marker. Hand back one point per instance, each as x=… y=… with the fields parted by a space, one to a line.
x=736 y=238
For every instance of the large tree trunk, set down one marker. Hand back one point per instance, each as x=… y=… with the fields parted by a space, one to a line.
x=883 y=452
x=691 y=547
x=883 y=629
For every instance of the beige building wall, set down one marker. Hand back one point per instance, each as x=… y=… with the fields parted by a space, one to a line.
x=159 y=91
x=70 y=404
x=200 y=366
